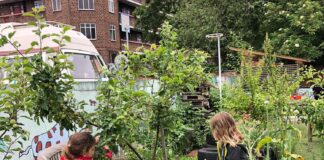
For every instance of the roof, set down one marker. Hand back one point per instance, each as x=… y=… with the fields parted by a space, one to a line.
x=248 y=52
x=24 y=36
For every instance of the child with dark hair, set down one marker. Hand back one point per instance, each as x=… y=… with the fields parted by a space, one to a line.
x=81 y=146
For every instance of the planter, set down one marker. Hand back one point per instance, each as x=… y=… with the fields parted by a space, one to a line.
x=207 y=154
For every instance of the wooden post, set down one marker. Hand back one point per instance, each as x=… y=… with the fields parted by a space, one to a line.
x=164 y=150
x=309 y=132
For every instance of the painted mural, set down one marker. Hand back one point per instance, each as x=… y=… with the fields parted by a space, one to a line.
x=45 y=140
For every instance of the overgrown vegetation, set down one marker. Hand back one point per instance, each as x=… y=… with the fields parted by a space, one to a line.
x=34 y=88
x=268 y=105
x=294 y=26
x=148 y=117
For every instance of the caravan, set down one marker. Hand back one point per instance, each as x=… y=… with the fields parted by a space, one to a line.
x=87 y=66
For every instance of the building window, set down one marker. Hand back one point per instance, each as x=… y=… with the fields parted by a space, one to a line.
x=139 y=38
x=38 y=3
x=86 y=4
x=17 y=8
x=89 y=30
x=56 y=5
x=111 y=6
x=113 y=55
x=126 y=11
x=112 y=32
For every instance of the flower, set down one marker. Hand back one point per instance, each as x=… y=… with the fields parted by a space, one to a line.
x=297 y=45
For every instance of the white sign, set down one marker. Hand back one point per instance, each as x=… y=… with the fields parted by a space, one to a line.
x=125 y=22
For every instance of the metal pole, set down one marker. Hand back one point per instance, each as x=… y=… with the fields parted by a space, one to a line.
x=212 y=36
x=219 y=69
x=127 y=36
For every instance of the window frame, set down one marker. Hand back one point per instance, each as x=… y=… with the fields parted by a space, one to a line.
x=39 y=3
x=85 y=27
x=111 y=8
x=112 y=28
x=58 y=3
x=86 y=9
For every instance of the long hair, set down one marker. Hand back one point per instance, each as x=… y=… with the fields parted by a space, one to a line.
x=224 y=129
x=78 y=145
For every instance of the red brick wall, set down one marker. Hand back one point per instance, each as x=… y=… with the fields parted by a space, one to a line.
x=62 y=16
x=71 y=14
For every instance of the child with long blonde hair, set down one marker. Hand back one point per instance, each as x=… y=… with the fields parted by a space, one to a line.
x=228 y=138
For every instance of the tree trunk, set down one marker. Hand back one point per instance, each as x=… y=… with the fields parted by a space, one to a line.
x=155 y=142
x=309 y=132
x=164 y=150
x=134 y=150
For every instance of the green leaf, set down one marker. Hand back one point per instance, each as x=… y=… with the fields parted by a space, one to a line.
x=67 y=38
x=16 y=149
x=7 y=138
x=41 y=9
x=34 y=9
x=66 y=28
x=29 y=14
x=45 y=36
x=56 y=41
x=261 y=143
x=34 y=43
x=11 y=34
x=28 y=50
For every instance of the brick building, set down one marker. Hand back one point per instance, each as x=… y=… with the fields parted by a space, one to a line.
x=99 y=20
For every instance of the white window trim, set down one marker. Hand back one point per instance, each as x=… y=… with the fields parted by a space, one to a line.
x=82 y=9
x=58 y=9
x=95 y=26
x=115 y=36
x=113 y=6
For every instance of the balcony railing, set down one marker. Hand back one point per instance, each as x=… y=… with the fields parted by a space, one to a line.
x=9 y=1
x=133 y=45
x=17 y=17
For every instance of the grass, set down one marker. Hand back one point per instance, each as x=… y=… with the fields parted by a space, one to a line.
x=309 y=150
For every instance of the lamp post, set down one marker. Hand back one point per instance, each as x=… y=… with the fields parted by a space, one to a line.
x=218 y=36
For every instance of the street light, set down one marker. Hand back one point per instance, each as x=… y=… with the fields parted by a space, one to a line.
x=218 y=36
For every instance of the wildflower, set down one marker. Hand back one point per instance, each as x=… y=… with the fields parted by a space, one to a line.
x=297 y=45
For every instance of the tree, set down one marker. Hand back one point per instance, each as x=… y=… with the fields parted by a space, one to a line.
x=129 y=116
x=152 y=15
x=296 y=27
x=238 y=20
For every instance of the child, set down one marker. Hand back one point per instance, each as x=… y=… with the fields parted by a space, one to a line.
x=224 y=131
x=81 y=146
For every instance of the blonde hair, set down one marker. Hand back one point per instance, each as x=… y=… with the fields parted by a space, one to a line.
x=224 y=129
